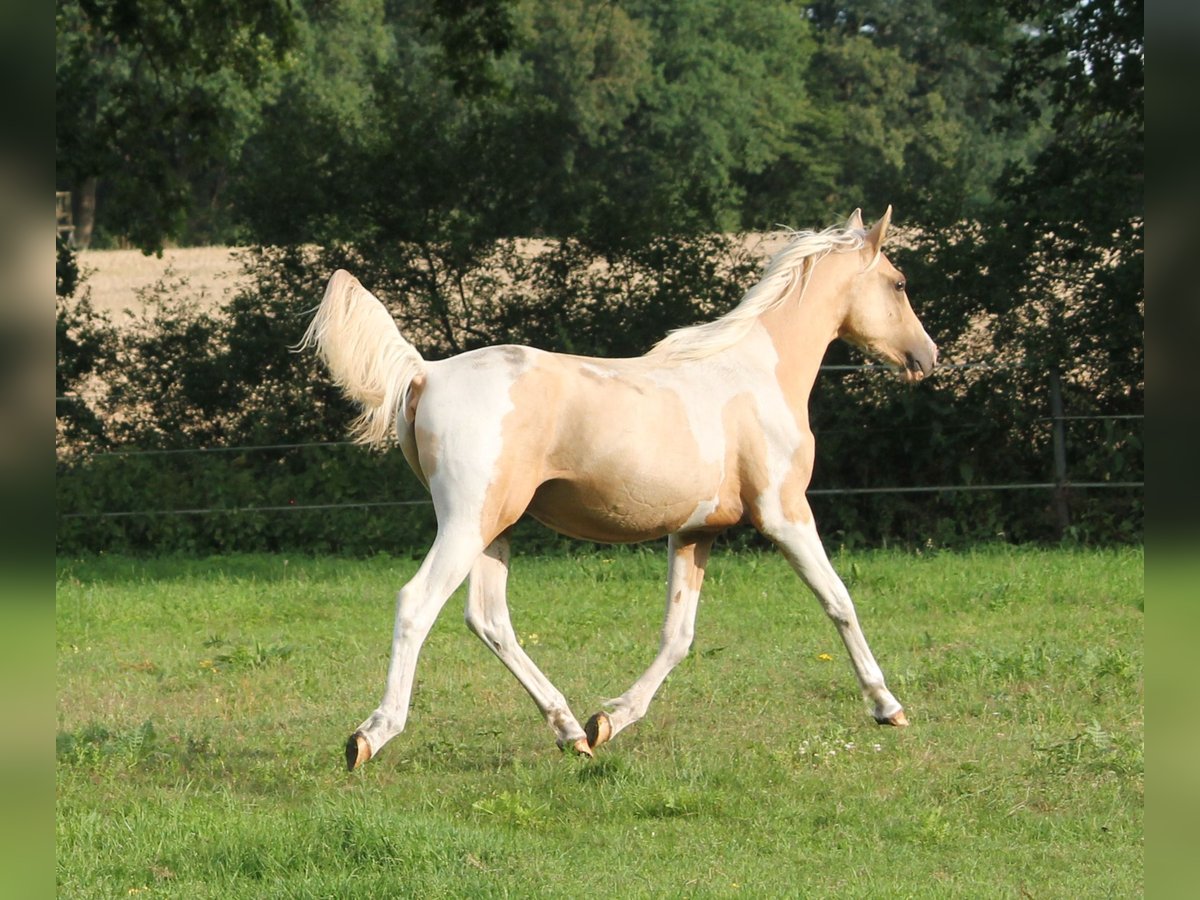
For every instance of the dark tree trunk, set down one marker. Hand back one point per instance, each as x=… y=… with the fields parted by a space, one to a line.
x=84 y=196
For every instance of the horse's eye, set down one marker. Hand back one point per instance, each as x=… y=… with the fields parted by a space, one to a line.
x=900 y=286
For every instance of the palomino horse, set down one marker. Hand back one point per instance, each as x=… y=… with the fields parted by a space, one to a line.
x=707 y=430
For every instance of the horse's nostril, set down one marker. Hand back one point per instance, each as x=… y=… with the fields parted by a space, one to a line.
x=910 y=363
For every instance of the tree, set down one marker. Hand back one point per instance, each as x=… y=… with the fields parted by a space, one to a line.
x=1052 y=271
x=723 y=96
x=910 y=98
x=303 y=175
x=1074 y=216
x=1061 y=245
x=614 y=123
x=154 y=99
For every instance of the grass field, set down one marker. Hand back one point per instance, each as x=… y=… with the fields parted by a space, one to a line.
x=202 y=706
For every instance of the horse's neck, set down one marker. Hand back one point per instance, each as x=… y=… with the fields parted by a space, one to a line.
x=800 y=331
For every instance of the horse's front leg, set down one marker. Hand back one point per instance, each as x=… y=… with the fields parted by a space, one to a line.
x=688 y=557
x=487 y=616
x=802 y=546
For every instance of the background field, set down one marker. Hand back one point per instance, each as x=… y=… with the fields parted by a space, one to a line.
x=202 y=706
x=116 y=278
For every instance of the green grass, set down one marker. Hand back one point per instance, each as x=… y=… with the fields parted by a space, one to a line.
x=202 y=706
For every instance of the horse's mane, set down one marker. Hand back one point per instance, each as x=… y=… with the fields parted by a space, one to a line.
x=791 y=265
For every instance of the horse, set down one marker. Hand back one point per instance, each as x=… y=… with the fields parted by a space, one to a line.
x=706 y=431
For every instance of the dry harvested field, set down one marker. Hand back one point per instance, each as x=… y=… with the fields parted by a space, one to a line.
x=116 y=276
x=212 y=273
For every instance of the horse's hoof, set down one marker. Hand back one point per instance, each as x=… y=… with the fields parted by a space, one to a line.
x=358 y=751
x=583 y=748
x=897 y=719
x=598 y=730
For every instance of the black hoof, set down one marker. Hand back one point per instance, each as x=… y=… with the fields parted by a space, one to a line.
x=598 y=730
x=358 y=751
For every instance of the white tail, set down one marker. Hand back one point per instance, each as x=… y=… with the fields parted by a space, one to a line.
x=369 y=359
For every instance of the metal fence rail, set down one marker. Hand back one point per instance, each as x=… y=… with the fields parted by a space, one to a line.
x=365 y=504
x=1057 y=419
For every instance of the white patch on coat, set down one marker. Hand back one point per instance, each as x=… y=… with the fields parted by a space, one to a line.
x=701 y=513
x=598 y=371
x=465 y=401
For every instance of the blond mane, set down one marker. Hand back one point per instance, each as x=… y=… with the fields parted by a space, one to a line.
x=791 y=266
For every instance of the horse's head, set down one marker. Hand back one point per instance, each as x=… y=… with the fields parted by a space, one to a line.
x=878 y=317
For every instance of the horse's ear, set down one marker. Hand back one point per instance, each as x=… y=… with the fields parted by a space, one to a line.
x=855 y=221
x=879 y=230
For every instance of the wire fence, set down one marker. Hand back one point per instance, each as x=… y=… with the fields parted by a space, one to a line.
x=1057 y=420
x=818 y=492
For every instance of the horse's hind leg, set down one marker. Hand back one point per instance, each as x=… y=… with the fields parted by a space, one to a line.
x=802 y=546
x=688 y=555
x=417 y=606
x=487 y=617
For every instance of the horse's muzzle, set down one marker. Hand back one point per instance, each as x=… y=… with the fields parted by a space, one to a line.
x=918 y=365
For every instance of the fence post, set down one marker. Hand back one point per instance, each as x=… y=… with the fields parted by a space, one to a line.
x=1062 y=511
x=64 y=225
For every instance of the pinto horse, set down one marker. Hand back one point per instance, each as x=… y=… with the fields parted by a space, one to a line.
x=708 y=430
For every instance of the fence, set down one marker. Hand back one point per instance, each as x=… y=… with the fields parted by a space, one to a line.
x=64 y=224
x=349 y=481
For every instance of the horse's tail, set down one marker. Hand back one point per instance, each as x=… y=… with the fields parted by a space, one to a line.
x=373 y=364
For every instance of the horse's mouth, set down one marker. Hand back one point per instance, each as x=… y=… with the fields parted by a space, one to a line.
x=913 y=370
x=909 y=369
x=910 y=366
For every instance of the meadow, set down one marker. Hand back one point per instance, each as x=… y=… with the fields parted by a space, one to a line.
x=202 y=706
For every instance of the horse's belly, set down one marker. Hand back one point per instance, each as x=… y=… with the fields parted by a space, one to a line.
x=624 y=512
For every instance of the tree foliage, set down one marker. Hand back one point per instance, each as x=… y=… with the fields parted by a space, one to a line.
x=1055 y=263
x=614 y=123
x=1075 y=213
x=153 y=101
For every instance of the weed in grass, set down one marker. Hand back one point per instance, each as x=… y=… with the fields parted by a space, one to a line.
x=253 y=656
x=98 y=746
x=827 y=749
x=513 y=808
x=1092 y=751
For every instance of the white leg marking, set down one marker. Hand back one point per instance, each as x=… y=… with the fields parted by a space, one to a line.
x=802 y=546
x=687 y=559
x=487 y=617
x=417 y=607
